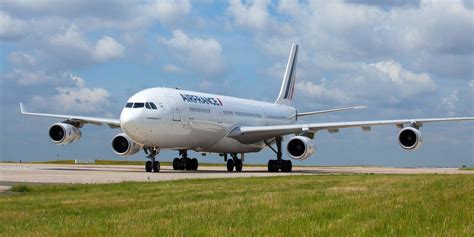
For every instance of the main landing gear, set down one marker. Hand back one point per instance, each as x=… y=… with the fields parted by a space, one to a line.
x=152 y=165
x=279 y=164
x=234 y=162
x=185 y=163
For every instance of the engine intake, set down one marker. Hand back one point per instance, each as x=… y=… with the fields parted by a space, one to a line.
x=122 y=145
x=63 y=133
x=410 y=138
x=300 y=148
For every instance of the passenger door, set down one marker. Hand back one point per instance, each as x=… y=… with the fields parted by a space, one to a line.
x=174 y=107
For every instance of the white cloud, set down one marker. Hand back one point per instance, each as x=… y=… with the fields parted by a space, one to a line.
x=409 y=83
x=382 y=83
x=321 y=93
x=449 y=103
x=202 y=55
x=253 y=14
x=374 y=53
x=431 y=37
x=20 y=59
x=387 y=4
x=71 y=39
x=72 y=47
x=171 y=68
x=107 y=48
x=29 y=77
x=10 y=28
x=169 y=11
x=116 y=14
x=78 y=98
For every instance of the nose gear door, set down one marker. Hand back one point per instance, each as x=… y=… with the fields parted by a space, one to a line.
x=174 y=108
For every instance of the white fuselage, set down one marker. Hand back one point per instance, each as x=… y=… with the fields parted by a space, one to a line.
x=188 y=120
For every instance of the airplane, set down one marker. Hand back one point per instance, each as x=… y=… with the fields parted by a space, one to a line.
x=165 y=118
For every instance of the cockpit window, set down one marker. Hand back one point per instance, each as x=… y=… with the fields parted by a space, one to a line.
x=147 y=105
x=129 y=105
x=138 y=105
x=153 y=106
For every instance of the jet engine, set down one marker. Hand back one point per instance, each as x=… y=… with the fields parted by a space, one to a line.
x=410 y=138
x=122 y=145
x=300 y=147
x=63 y=133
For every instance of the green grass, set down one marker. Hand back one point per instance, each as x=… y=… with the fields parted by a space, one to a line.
x=328 y=205
x=20 y=188
x=466 y=168
x=59 y=162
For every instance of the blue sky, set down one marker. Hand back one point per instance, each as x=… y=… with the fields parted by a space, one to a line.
x=403 y=59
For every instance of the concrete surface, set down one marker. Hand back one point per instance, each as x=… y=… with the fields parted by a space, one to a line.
x=11 y=173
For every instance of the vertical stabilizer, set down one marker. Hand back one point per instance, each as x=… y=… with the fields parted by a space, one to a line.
x=288 y=84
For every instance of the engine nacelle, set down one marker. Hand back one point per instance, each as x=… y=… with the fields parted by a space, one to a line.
x=122 y=145
x=63 y=133
x=410 y=138
x=300 y=148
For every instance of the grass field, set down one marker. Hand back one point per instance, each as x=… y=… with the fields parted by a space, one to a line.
x=329 y=205
x=58 y=162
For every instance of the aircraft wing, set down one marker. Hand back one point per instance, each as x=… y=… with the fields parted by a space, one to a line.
x=252 y=134
x=80 y=120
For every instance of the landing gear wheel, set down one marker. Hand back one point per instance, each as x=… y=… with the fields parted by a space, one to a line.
x=272 y=166
x=230 y=165
x=148 y=166
x=286 y=166
x=176 y=164
x=194 y=164
x=238 y=165
x=152 y=164
x=156 y=166
x=188 y=164
x=182 y=164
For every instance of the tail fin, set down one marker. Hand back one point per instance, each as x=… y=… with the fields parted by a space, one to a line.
x=288 y=84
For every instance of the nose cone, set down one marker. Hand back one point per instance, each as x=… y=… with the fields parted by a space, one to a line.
x=129 y=120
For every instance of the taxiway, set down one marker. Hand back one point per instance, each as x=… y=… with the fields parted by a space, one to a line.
x=11 y=173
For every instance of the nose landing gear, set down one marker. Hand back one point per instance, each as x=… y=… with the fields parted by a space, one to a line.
x=152 y=165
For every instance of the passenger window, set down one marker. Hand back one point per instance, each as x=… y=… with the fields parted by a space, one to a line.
x=153 y=106
x=138 y=105
x=129 y=105
x=147 y=105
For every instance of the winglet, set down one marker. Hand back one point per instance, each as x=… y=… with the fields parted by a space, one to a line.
x=22 y=109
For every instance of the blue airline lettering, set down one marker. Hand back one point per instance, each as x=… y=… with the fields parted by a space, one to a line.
x=201 y=99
